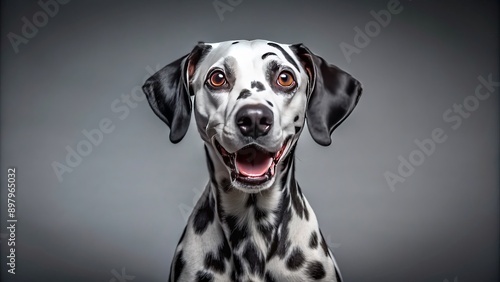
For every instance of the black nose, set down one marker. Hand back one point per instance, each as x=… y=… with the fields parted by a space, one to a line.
x=254 y=120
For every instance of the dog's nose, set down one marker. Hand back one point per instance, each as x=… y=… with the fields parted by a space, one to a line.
x=254 y=120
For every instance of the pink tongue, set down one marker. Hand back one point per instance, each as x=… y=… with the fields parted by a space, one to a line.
x=252 y=162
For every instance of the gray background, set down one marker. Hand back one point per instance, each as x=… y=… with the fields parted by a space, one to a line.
x=124 y=206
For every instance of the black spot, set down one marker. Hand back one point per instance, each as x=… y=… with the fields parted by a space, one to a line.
x=238 y=268
x=324 y=246
x=269 y=277
x=220 y=210
x=245 y=93
x=282 y=206
x=178 y=266
x=296 y=259
x=315 y=270
x=337 y=275
x=296 y=118
x=211 y=169
x=284 y=176
x=215 y=263
x=259 y=214
x=270 y=104
x=280 y=242
x=287 y=56
x=268 y=54
x=313 y=241
x=297 y=129
x=238 y=233
x=284 y=202
x=258 y=85
x=254 y=259
x=234 y=277
x=287 y=161
x=306 y=211
x=266 y=231
x=296 y=200
x=203 y=217
x=252 y=200
x=224 y=249
x=273 y=248
x=202 y=276
x=271 y=70
x=235 y=42
x=284 y=243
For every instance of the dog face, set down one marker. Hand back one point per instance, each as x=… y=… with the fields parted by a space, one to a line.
x=249 y=105
x=251 y=99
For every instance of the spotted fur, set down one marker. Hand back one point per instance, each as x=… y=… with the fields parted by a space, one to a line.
x=239 y=231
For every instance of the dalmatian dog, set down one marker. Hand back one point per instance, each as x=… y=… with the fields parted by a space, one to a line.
x=251 y=101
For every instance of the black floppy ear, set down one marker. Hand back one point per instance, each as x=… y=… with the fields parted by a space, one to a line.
x=169 y=94
x=333 y=94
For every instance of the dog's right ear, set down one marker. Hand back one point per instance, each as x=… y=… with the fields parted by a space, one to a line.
x=168 y=92
x=332 y=94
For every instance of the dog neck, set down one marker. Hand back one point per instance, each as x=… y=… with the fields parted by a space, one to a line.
x=255 y=216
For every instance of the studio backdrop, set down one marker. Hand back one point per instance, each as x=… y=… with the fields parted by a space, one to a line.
x=407 y=191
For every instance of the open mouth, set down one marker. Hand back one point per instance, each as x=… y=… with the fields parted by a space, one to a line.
x=251 y=165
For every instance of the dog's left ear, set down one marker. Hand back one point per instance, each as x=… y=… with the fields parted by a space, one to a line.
x=169 y=94
x=332 y=94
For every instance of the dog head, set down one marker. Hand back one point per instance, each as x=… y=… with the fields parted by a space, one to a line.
x=251 y=99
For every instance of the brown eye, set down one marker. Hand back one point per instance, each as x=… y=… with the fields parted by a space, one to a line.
x=285 y=79
x=217 y=79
